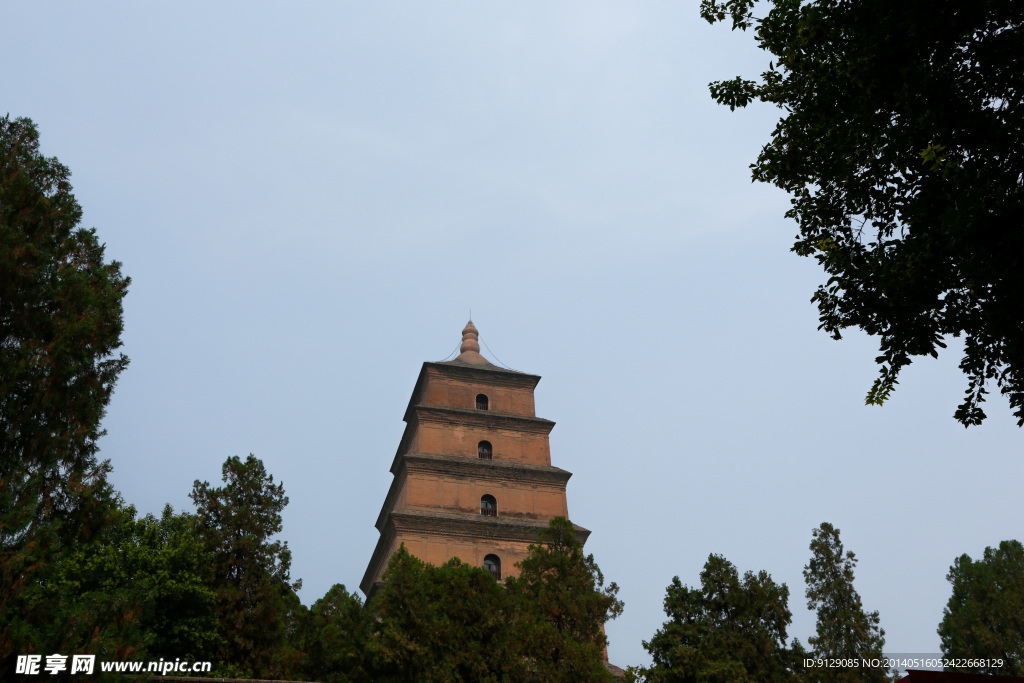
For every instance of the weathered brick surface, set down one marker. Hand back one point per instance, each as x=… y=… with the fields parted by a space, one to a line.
x=509 y=442
x=424 y=490
x=462 y=393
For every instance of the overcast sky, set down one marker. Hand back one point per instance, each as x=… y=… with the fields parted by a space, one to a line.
x=309 y=198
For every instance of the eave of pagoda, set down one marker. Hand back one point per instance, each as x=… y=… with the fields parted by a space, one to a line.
x=484 y=374
x=452 y=525
x=460 y=467
x=460 y=417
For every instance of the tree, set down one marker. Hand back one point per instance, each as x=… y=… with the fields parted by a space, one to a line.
x=141 y=588
x=73 y=606
x=844 y=630
x=288 y=658
x=562 y=604
x=984 y=618
x=60 y=328
x=251 y=571
x=447 y=623
x=456 y=623
x=338 y=630
x=166 y=560
x=728 y=630
x=899 y=148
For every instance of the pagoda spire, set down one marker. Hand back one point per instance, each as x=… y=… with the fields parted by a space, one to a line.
x=470 y=349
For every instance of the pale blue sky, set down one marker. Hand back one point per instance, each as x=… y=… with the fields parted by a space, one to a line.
x=310 y=197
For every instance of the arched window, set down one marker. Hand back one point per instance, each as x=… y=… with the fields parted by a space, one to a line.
x=481 y=402
x=488 y=506
x=483 y=450
x=493 y=565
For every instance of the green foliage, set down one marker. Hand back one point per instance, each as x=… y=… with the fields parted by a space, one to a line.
x=844 y=630
x=337 y=632
x=899 y=146
x=728 y=630
x=562 y=605
x=447 y=623
x=60 y=325
x=71 y=607
x=985 y=615
x=139 y=590
x=456 y=623
x=289 y=658
x=254 y=596
x=167 y=561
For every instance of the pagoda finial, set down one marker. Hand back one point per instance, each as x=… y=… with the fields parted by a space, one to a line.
x=470 y=349
x=470 y=335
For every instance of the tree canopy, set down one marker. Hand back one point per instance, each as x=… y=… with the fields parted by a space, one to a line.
x=844 y=630
x=447 y=623
x=335 y=638
x=60 y=328
x=239 y=522
x=456 y=623
x=141 y=588
x=562 y=605
x=729 y=630
x=899 y=146
x=985 y=615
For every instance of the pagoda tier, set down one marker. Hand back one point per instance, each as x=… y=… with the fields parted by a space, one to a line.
x=472 y=474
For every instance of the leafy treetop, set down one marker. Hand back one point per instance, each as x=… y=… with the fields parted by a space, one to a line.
x=899 y=146
x=562 y=604
x=844 y=629
x=239 y=522
x=985 y=615
x=729 y=630
x=447 y=623
x=60 y=328
x=456 y=623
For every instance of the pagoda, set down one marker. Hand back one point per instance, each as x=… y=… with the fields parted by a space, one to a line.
x=472 y=475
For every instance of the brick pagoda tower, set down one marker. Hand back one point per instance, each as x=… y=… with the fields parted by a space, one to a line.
x=473 y=475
